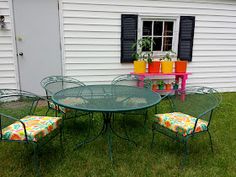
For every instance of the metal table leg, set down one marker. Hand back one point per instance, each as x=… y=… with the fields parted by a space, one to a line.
x=106 y=129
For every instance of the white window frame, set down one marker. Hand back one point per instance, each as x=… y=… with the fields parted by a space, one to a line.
x=175 y=39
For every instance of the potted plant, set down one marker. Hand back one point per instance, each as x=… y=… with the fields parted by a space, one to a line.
x=167 y=63
x=139 y=65
x=161 y=85
x=154 y=85
x=180 y=66
x=175 y=85
x=154 y=66
x=168 y=86
x=141 y=57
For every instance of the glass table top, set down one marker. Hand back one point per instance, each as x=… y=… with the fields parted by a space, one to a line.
x=106 y=98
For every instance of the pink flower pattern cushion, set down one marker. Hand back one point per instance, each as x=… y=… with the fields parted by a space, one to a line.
x=181 y=123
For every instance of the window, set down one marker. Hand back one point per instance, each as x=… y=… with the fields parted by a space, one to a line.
x=169 y=32
x=161 y=32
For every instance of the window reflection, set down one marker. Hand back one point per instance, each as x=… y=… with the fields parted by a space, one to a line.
x=147 y=28
x=161 y=31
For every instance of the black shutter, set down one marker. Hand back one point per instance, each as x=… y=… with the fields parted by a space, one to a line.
x=129 y=25
x=186 y=35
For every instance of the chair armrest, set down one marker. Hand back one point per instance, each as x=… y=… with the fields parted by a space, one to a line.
x=12 y=118
x=201 y=115
x=204 y=113
x=35 y=103
x=43 y=98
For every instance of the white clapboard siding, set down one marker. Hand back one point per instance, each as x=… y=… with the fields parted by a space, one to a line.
x=85 y=60
x=214 y=41
x=8 y=78
x=92 y=31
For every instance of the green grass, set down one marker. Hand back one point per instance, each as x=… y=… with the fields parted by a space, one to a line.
x=130 y=161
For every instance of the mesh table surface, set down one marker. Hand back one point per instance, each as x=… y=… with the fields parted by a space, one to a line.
x=106 y=98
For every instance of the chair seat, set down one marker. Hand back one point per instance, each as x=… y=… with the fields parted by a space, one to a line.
x=36 y=128
x=181 y=123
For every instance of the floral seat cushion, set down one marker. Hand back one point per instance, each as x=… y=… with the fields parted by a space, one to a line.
x=181 y=123
x=36 y=128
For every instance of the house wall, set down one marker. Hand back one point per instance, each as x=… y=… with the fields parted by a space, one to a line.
x=91 y=37
x=92 y=31
x=8 y=71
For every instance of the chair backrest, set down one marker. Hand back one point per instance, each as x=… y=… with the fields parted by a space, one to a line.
x=53 y=84
x=132 y=80
x=17 y=103
x=196 y=101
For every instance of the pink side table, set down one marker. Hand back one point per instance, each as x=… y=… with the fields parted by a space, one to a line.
x=178 y=76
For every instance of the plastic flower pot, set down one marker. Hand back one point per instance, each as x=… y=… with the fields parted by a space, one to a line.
x=154 y=87
x=166 y=67
x=154 y=67
x=181 y=66
x=168 y=86
x=139 y=67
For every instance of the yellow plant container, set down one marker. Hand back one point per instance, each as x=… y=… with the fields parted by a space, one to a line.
x=139 y=67
x=167 y=67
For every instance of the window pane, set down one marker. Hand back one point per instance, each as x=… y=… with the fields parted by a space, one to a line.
x=168 y=29
x=157 y=43
x=147 y=28
x=167 y=44
x=158 y=28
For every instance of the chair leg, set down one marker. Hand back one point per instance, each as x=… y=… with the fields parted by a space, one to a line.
x=91 y=120
x=47 y=111
x=61 y=136
x=124 y=126
x=90 y=125
x=153 y=135
x=64 y=115
x=110 y=144
x=186 y=152
x=210 y=141
x=36 y=160
x=62 y=130
x=56 y=112
x=145 y=119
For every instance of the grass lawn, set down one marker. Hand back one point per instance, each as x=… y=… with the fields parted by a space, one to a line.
x=129 y=161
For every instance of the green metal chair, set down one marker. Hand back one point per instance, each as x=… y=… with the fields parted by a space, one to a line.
x=53 y=84
x=133 y=80
x=19 y=122
x=191 y=115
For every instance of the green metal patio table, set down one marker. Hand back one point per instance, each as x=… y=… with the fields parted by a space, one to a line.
x=107 y=99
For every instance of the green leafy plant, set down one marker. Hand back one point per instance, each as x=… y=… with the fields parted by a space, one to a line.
x=143 y=43
x=175 y=85
x=168 y=56
x=149 y=57
x=160 y=83
x=135 y=56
